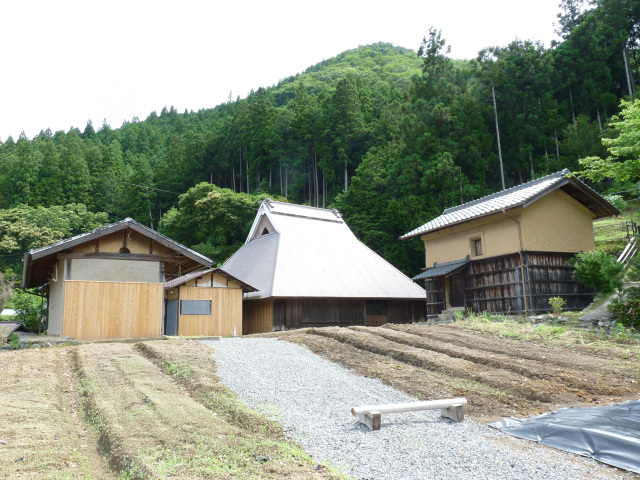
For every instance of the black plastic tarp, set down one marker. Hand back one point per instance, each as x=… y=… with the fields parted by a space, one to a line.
x=608 y=434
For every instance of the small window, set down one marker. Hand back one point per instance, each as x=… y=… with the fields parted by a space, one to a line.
x=195 y=307
x=376 y=307
x=476 y=246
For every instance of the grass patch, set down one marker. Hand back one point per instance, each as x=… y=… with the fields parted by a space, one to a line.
x=195 y=370
x=152 y=428
x=42 y=437
x=621 y=341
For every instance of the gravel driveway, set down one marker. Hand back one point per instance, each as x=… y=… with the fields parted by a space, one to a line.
x=312 y=398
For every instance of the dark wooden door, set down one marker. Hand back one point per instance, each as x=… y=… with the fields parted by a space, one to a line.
x=456 y=296
x=435 y=296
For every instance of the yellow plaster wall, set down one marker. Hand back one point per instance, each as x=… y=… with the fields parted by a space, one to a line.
x=554 y=223
x=499 y=236
x=557 y=223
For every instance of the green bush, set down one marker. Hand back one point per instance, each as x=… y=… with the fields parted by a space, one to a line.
x=617 y=201
x=557 y=303
x=14 y=341
x=28 y=308
x=627 y=313
x=599 y=270
x=611 y=246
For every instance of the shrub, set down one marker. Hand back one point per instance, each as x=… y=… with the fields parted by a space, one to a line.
x=627 y=313
x=28 y=308
x=557 y=303
x=14 y=341
x=617 y=201
x=599 y=270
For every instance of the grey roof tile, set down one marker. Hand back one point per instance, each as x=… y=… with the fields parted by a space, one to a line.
x=509 y=198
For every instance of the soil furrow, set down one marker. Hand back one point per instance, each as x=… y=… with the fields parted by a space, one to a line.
x=561 y=357
x=532 y=389
x=41 y=435
x=571 y=379
x=152 y=428
x=485 y=403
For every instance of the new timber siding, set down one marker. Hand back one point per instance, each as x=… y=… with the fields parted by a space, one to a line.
x=104 y=310
x=226 y=312
x=500 y=285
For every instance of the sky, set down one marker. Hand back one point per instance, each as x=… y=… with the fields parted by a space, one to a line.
x=67 y=62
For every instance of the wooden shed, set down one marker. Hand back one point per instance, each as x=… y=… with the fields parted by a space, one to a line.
x=311 y=270
x=108 y=283
x=509 y=252
x=207 y=302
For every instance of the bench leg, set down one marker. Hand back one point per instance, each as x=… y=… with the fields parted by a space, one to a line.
x=371 y=420
x=454 y=412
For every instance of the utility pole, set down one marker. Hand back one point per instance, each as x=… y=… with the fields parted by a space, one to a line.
x=495 y=111
x=630 y=85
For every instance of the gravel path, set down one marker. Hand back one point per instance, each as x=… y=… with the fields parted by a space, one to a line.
x=312 y=398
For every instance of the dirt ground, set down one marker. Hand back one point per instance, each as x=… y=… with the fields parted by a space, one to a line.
x=500 y=377
x=156 y=409
x=131 y=411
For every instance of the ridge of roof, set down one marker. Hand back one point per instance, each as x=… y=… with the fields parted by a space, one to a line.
x=199 y=273
x=522 y=186
x=115 y=227
x=306 y=211
x=520 y=195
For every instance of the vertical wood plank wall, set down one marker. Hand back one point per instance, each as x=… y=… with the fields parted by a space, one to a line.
x=226 y=312
x=406 y=311
x=104 y=310
x=496 y=284
x=319 y=312
x=257 y=316
x=375 y=320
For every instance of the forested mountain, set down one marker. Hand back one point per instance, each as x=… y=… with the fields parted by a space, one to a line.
x=388 y=136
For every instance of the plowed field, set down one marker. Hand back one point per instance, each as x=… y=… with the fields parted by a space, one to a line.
x=498 y=376
x=134 y=411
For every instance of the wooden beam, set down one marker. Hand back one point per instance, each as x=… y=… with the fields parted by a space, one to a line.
x=370 y=415
x=122 y=256
x=409 y=407
x=372 y=420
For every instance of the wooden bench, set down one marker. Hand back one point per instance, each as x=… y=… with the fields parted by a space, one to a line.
x=370 y=415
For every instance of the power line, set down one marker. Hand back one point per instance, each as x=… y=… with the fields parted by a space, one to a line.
x=151 y=188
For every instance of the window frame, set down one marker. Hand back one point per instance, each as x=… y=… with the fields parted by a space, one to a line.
x=194 y=301
x=476 y=240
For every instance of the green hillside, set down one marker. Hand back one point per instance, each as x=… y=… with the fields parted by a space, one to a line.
x=388 y=136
